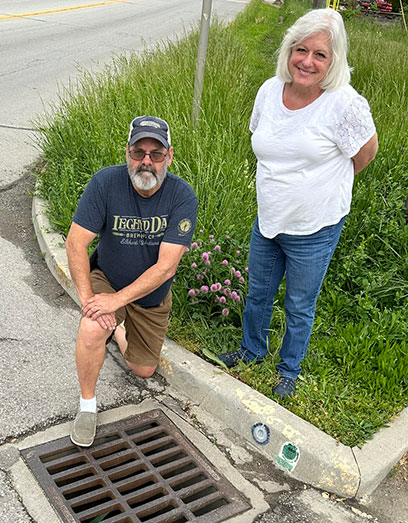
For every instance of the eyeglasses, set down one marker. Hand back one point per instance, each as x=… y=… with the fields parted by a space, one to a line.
x=139 y=155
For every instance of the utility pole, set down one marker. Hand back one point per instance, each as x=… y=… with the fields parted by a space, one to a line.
x=201 y=56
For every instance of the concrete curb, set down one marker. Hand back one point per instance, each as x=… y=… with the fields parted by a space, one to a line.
x=320 y=460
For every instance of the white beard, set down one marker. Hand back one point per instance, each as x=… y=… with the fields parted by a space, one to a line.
x=146 y=178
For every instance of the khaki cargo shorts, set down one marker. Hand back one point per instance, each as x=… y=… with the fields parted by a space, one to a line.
x=145 y=327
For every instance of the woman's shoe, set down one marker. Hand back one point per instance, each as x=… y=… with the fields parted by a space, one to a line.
x=231 y=359
x=286 y=388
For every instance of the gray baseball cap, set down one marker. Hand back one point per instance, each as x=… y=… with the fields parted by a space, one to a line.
x=149 y=127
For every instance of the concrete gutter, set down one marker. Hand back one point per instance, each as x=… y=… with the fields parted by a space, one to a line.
x=317 y=459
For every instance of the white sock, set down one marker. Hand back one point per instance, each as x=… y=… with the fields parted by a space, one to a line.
x=87 y=405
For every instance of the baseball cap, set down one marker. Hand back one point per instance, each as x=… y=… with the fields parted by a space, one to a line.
x=149 y=127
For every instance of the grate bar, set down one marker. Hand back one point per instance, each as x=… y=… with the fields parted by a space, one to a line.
x=196 y=488
x=108 y=449
x=136 y=481
x=58 y=468
x=121 y=458
x=89 y=498
x=92 y=512
x=84 y=472
x=152 y=508
x=161 y=458
x=141 y=436
x=144 y=495
x=202 y=502
x=126 y=471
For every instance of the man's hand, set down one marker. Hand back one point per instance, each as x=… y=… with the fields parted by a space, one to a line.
x=107 y=321
x=100 y=304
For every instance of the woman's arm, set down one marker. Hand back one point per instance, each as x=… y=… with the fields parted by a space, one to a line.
x=365 y=155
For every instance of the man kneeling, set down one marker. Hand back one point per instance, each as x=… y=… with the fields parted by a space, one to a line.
x=145 y=218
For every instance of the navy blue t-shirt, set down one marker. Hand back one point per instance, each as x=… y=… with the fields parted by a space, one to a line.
x=131 y=227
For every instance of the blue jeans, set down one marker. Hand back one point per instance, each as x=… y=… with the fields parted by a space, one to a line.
x=305 y=260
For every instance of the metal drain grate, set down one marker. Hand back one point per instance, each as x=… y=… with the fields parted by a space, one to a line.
x=139 y=469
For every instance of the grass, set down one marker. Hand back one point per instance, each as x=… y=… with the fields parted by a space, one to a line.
x=354 y=378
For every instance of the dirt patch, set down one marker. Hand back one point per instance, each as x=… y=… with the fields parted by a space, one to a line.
x=400 y=473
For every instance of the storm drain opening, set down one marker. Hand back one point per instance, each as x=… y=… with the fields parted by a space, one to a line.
x=139 y=469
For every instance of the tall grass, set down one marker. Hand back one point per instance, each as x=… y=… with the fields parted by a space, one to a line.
x=88 y=128
x=355 y=376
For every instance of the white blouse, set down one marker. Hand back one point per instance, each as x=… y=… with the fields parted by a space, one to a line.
x=305 y=173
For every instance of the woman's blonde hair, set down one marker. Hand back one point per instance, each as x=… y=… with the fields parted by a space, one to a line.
x=327 y=21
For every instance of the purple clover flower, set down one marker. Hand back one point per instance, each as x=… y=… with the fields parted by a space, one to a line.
x=241 y=280
x=200 y=277
x=225 y=312
x=194 y=265
x=224 y=262
x=204 y=289
x=191 y=292
x=207 y=263
x=237 y=274
x=194 y=245
x=227 y=282
x=222 y=299
x=217 y=248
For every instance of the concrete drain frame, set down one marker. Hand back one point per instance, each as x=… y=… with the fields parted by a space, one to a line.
x=139 y=469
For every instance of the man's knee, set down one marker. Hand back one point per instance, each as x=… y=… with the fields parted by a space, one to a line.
x=140 y=370
x=91 y=333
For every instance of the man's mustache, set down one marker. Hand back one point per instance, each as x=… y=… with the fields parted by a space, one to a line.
x=144 y=168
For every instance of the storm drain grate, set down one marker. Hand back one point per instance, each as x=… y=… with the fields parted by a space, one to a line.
x=139 y=469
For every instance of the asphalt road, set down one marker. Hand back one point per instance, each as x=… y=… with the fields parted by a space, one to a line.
x=43 y=43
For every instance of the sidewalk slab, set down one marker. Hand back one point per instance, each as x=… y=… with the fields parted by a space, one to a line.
x=320 y=461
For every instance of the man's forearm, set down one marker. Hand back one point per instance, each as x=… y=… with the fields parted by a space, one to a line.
x=165 y=268
x=147 y=282
x=78 y=263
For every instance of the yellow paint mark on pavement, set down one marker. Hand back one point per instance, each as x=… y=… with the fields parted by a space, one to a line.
x=60 y=10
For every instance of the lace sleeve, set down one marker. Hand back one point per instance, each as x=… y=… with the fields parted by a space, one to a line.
x=355 y=128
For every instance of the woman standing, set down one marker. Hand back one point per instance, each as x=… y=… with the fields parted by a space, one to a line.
x=312 y=133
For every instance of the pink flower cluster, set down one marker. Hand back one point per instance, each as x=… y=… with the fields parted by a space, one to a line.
x=210 y=265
